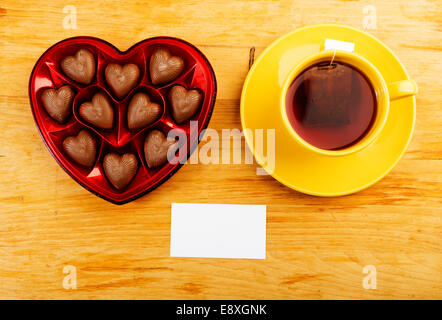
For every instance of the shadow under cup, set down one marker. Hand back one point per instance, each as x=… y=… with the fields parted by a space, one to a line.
x=335 y=103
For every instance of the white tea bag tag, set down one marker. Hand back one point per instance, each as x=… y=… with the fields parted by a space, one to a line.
x=331 y=44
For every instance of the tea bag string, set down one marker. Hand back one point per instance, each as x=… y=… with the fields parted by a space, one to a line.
x=333 y=58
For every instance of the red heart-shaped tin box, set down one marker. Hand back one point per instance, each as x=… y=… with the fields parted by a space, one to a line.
x=104 y=178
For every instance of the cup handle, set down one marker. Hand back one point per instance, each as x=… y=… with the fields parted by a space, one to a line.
x=402 y=89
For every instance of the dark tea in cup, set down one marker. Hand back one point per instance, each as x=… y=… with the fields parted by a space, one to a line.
x=331 y=105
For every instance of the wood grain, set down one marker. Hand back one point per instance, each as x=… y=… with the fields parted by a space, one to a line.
x=316 y=247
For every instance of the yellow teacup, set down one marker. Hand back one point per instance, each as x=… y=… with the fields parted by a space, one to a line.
x=384 y=94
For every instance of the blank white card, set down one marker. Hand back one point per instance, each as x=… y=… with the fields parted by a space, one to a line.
x=218 y=231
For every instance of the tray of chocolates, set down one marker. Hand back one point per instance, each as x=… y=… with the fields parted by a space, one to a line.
x=107 y=116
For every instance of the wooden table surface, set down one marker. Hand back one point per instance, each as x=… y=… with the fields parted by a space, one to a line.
x=316 y=247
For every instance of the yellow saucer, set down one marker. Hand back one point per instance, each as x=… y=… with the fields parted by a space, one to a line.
x=302 y=169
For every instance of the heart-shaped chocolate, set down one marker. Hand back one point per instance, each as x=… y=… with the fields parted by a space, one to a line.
x=81 y=148
x=156 y=147
x=142 y=112
x=122 y=78
x=120 y=169
x=58 y=102
x=98 y=112
x=164 y=67
x=80 y=67
x=184 y=103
